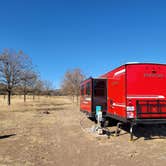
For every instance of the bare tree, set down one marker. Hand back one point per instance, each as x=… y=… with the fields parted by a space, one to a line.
x=12 y=64
x=28 y=79
x=48 y=87
x=71 y=82
x=37 y=87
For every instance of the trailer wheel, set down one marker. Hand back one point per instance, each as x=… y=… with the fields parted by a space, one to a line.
x=108 y=122
x=93 y=119
x=105 y=123
x=112 y=122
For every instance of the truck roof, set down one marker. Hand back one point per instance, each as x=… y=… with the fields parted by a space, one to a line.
x=132 y=63
x=140 y=63
x=126 y=64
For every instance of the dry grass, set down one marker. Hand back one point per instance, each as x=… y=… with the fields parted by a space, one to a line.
x=40 y=103
x=19 y=112
x=30 y=137
x=24 y=128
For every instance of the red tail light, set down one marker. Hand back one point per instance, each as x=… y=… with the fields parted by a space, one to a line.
x=130 y=109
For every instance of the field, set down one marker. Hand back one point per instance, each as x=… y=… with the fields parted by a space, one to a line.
x=47 y=132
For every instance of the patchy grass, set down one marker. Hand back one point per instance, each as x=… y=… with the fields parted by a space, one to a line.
x=30 y=137
x=39 y=104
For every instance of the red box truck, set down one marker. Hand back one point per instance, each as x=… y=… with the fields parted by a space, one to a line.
x=132 y=93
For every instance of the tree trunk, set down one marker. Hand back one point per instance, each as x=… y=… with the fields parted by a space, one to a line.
x=24 y=97
x=77 y=99
x=9 y=97
x=73 y=99
x=33 y=97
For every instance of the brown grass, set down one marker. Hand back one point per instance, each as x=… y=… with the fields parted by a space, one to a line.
x=30 y=137
x=40 y=103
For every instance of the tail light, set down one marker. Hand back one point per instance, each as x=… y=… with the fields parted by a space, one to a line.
x=130 y=109
x=130 y=114
x=130 y=106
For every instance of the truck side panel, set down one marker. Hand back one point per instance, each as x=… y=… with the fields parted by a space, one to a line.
x=116 y=94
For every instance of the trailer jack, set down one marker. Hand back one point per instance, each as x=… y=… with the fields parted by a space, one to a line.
x=117 y=128
x=131 y=131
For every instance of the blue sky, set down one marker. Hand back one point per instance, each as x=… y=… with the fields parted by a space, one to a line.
x=94 y=35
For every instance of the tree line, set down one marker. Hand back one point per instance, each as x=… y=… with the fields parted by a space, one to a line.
x=19 y=76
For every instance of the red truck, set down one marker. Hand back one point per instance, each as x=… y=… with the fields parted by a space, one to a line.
x=132 y=93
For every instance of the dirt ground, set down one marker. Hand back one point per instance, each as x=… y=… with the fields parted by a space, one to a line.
x=30 y=136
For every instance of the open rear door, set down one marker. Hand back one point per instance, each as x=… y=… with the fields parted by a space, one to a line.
x=99 y=95
x=146 y=90
x=86 y=97
x=93 y=93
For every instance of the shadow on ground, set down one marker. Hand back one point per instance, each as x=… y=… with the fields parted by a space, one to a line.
x=146 y=131
x=7 y=136
x=51 y=109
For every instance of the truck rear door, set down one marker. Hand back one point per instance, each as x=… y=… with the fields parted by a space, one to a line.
x=146 y=90
x=99 y=97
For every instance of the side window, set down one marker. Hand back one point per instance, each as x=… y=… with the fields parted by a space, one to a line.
x=88 y=88
x=82 y=90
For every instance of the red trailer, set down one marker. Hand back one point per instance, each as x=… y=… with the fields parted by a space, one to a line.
x=132 y=93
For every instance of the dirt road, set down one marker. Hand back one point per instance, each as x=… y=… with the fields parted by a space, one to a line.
x=28 y=136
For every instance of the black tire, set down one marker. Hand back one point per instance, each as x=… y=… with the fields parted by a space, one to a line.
x=110 y=122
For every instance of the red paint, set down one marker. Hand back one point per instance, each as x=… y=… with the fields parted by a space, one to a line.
x=95 y=96
x=85 y=98
x=133 y=84
x=116 y=92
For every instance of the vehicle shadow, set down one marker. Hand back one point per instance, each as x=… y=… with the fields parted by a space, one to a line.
x=146 y=131
x=7 y=136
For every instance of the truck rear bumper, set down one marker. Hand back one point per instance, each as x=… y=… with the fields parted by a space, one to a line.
x=149 y=121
